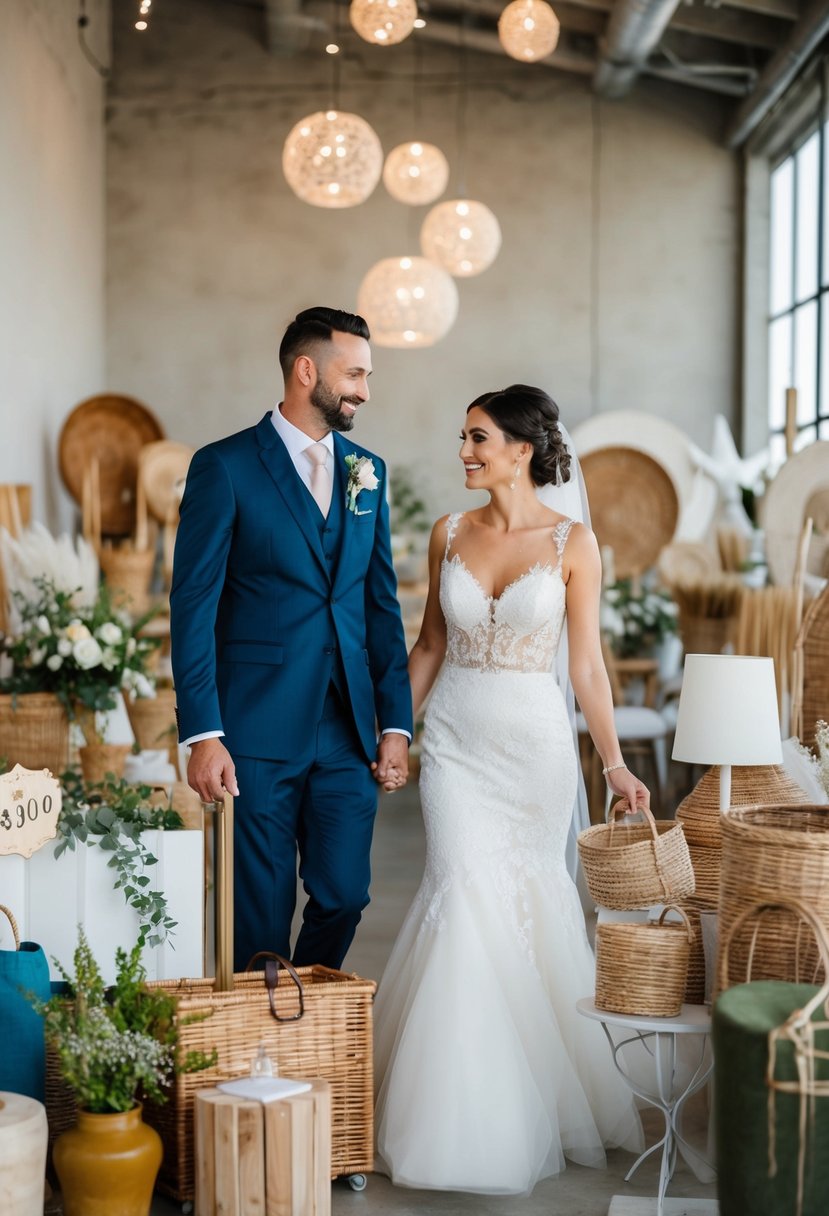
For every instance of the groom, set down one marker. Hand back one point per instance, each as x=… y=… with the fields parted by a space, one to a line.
x=287 y=645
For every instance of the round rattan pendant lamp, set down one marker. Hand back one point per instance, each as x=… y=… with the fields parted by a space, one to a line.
x=528 y=30
x=332 y=159
x=383 y=22
x=408 y=302
x=461 y=235
x=415 y=173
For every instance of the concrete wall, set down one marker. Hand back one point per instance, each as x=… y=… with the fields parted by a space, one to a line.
x=616 y=287
x=51 y=235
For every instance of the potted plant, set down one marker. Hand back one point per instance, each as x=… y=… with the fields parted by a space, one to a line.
x=113 y=1048
x=75 y=658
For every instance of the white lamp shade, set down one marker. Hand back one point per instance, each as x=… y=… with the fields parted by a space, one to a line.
x=415 y=173
x=728 y=711
x=332 y=159
x=383 y=22
x=408 y=302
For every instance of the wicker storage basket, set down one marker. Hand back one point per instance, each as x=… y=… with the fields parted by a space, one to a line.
x=707 y=864
x=332 y=1040
x=642 y=969
x=751 y=785
x=34 y=731
x=773 y=854
x=635 y=865
x=128 y=574
x=695 y=983
x=153 y=720
x=98 y=759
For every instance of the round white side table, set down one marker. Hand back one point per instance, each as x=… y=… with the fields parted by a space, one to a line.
x=659 y=1037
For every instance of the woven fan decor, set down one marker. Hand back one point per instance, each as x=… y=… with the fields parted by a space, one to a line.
x=161 y=467
x=799 y=484
x=773 y=854
x=634 y=506
x=110 y=429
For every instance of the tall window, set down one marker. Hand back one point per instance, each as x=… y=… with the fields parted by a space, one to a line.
x=799 y=291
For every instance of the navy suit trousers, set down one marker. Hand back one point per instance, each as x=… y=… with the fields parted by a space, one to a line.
x=319 y=806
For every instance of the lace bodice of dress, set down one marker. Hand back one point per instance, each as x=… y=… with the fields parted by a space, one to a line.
x=517 y=631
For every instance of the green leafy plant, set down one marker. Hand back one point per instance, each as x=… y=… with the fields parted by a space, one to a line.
x=113 y=814
x=116 y=1046
x=408 y=510
x=83 y=655
x=635 y=618
x=111 y=1047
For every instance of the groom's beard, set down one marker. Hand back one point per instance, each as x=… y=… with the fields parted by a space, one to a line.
x=328 y=406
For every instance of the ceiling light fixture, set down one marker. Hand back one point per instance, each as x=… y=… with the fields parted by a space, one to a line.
x=528 y=30
x=383 y=22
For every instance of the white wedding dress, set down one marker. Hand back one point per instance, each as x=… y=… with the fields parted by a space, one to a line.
x=487 y=1076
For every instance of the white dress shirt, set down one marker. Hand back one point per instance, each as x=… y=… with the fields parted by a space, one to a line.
x=296 y=441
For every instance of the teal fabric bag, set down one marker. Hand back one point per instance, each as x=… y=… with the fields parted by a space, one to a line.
x=24 y=971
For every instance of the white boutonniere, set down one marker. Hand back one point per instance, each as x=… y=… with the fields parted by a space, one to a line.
x=361 y=476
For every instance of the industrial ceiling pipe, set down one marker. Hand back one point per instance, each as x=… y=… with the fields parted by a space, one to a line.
x=634 y=31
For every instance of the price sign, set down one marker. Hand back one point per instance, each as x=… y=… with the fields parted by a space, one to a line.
x=30 y=802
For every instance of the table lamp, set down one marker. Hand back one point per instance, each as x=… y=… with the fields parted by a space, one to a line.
x=728 y=714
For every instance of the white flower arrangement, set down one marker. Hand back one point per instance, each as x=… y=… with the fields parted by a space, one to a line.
x=361 y=476
x=635 y=618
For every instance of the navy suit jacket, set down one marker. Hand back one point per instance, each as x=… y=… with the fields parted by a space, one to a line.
x=260 y=617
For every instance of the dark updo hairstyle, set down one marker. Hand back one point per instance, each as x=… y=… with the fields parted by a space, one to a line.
x=314 y=327
x=529 y=415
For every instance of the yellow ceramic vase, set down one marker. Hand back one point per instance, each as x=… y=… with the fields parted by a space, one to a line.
x=107 y=1165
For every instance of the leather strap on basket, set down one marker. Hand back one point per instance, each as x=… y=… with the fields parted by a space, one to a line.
x=622 y=807
x=7 y=912
x=273 y=963
x=798 y=1029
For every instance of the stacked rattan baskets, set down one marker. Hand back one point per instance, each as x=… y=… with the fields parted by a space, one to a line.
x=641 y=968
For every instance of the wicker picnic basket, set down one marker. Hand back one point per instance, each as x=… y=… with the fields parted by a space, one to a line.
x=313 y=1022
x=642 y=969
x=773 y=854
x=332 y=1039
x=635 y=865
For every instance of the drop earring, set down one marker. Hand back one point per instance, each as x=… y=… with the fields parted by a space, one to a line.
x=516 y=474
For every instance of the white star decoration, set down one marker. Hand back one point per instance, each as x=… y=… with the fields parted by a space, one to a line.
x=730 y=471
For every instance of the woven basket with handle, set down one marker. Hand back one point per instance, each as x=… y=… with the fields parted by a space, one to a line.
x=642 y=969
x=773 y=854
x=635 y=865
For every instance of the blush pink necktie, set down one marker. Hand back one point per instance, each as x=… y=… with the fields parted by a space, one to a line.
x=317 y=453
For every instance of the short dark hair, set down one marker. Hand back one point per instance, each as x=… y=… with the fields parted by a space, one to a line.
x=529 y=415
x=314 y=326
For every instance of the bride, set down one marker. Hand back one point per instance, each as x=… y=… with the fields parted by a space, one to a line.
x=487 y=1076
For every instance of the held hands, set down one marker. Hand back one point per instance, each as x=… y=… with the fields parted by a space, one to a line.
x=211 y=771
x=391 y=768
x=623 y=782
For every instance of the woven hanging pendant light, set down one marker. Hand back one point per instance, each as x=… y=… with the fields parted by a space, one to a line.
x=415 y=173
x=528 y=30
x=461 y=235
x=383 y=22
x=332 y=159
x=408 y=302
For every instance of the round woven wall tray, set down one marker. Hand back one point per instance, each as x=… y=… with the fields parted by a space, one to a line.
x=634 y=506
x=670 y=447
x=161 y=467
x=799 y=484
x=110 y=429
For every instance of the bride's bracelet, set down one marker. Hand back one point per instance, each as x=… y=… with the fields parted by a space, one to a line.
x=611 y=768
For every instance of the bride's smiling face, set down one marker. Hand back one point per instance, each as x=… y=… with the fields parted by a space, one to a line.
x=488 y=456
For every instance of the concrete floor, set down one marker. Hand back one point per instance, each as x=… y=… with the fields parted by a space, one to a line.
x=397 y=865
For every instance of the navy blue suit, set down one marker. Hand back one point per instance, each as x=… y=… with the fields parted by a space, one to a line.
x=286 y=635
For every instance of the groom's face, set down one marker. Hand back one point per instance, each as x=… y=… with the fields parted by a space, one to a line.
x=341 y=387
